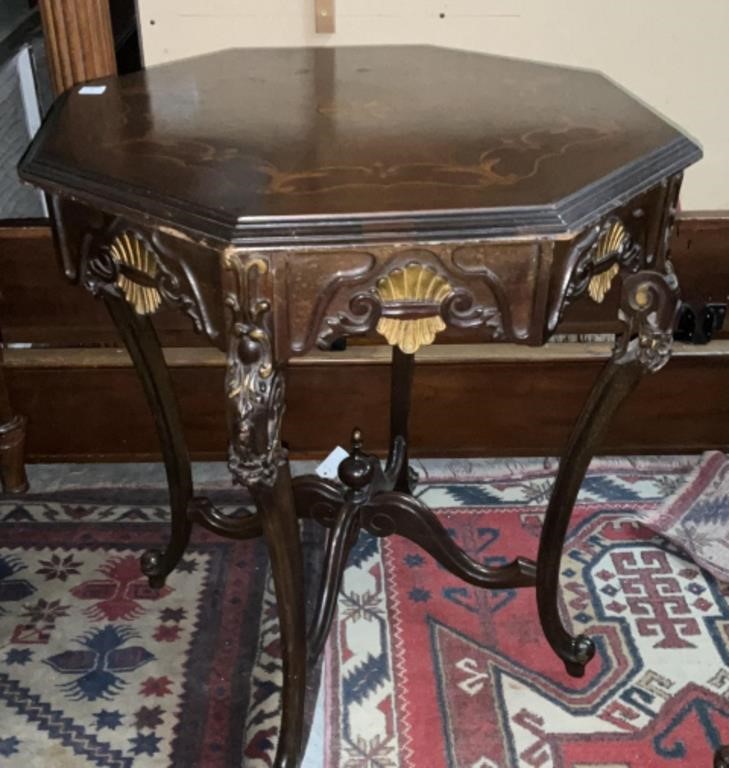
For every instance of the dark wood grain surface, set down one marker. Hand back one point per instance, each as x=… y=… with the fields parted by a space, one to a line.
x=362 y=139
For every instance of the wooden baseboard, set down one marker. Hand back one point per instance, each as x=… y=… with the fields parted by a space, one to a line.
x=206 y=357
x=500 y=403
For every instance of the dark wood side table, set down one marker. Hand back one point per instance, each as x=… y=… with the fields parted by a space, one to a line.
x=286 y=198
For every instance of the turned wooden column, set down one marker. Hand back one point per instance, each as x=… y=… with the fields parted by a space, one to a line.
x=79 y=40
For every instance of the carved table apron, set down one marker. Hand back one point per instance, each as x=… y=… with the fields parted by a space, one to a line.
x=178 y=202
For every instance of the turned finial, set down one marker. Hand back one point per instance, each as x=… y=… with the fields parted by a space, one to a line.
x=357 y=470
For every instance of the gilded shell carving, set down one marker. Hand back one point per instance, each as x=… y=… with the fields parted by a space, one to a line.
x=600 y=284
x=410 y=335
x=614 y=241
x=416 y=284
x=131 y=251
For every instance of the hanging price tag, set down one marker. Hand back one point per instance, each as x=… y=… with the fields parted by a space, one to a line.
x=328 y=468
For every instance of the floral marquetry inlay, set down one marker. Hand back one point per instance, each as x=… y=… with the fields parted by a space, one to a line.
x=415 y=293
x=137 y=273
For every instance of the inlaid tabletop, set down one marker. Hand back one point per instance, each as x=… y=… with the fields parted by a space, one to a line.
x=328 y=140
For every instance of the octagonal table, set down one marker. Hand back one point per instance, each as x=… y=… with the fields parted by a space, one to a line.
x=284 y=199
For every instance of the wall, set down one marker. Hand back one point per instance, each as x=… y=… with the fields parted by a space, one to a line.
x=673 y=55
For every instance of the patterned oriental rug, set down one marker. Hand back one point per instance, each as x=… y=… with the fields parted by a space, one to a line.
x=421 y=670
x=427 y=671
x=97 y=669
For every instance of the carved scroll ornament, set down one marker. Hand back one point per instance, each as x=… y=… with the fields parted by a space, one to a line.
x=650 y=300
x=409 y=306
x=648 y=306
x=648 y=309
x=600 y=255
x=594 y=262
x=254 y=387
x=122 y=261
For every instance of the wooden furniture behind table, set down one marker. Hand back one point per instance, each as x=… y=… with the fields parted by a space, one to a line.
x=78 y=43
x=406 y=193
x=12 y=442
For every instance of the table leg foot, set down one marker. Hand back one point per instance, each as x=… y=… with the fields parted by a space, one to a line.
x=581 y=652
x=153 y=567
x=143 y=346
x=281 y=530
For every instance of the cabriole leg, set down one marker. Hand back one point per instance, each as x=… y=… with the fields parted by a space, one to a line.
x=648 y=307
x=277 y=511
x=140 y=339
x=255 y=389
x=612 y=387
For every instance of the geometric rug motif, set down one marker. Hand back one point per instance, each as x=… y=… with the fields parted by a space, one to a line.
x=698 y=517
x=425 y=670
x=97 y=669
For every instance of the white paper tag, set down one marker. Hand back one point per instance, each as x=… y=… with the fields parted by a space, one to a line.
x=328 y=468
x=91 y=90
